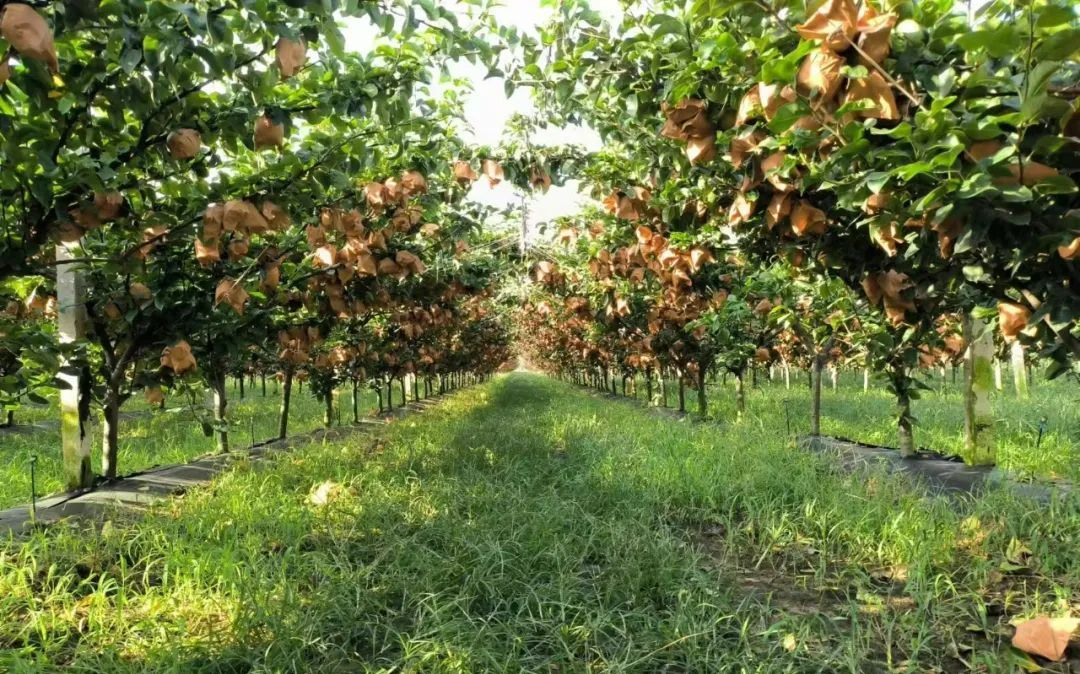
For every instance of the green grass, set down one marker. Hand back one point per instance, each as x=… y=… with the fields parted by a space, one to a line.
x=153 y=437
x=527 y=526
x=870 y=417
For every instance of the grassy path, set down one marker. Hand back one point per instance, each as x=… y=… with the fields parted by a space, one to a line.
x=526 y=526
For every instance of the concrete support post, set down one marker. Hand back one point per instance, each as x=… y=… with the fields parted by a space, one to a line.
x=1019 y=369
x=75 y=433
x=978 y=384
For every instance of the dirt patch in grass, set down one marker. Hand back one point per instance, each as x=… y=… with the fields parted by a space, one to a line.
x=793 y=594
x=860 y=605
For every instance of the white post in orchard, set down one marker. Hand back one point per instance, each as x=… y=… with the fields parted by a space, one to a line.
x=1019 y=369
x=978 y=384
x=523 y=242
x=75 y=433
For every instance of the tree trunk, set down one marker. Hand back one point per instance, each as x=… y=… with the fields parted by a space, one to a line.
x=262 y=380
x=702 y=403
x=866 y=380
x=740 y=395
x=816 y=368
x=221 y=430
x=979 y=446
x=648 y=385
x=415 y=389
x=9 y=419
x=328 y=412
x=404 y=394
x=356 y=401
x=833 y=374
x=286 y=397
x=110 y=414
x=1019 y=369
x=997 y=375
x=241 y=387
x=907 y=437
x=903 y=414
x=787 y=375
x=663 y=388
x=682 y=393
x=378 y=394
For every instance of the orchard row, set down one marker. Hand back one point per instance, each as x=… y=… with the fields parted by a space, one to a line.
x=889 y=184
x=211 y=189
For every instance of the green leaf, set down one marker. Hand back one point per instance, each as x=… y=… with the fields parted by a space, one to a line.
x=786 y=116
x=945 y=80
x=665 y=24
x=876 y=181
x=37 y=398
x=976 y=184
x=1034 y=93
x=41 y=188
x=1054 y=15
x=900 y=132
x=1059 y=184
x=784 y=69
x=855 y=72
x=130 y=59
x=1063 y=45
x=997 y=41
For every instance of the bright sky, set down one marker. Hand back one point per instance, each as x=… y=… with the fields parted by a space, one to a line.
x=487 y=109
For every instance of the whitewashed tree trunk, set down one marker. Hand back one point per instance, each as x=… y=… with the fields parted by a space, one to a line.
x=75 y=433
x=866 y=380
x=979 y=370
x=1019 y=369
x=328 y=411
x=997 y=375
x=787 y=375
x=833 y=375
